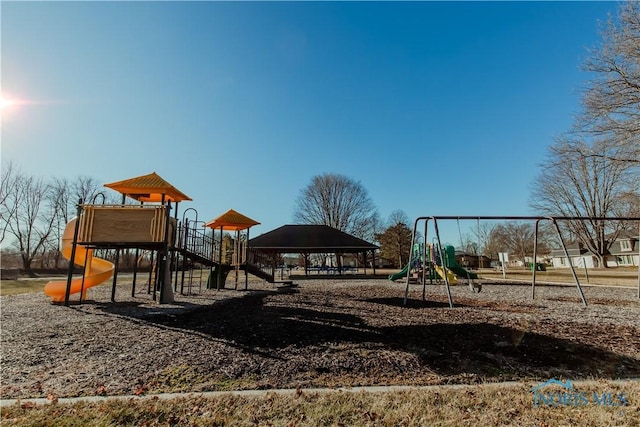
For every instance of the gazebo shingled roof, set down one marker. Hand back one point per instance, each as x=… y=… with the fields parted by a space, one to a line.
x=148 y=188
x=309 y=238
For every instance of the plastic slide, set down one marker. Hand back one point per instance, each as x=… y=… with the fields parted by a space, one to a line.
x=455 y=267
x=451 y=278
x=462 y=272
x=97 y=271
x=400 y=274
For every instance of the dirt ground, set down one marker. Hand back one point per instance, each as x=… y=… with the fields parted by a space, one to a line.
x=322 y=333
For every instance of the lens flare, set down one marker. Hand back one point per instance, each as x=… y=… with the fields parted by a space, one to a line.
x=6 y=102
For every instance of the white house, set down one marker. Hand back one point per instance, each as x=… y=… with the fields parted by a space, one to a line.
x=623 y=253
x=580 y=257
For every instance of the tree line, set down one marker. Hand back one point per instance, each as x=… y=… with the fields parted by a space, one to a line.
x=591 y=170
x=34 y=212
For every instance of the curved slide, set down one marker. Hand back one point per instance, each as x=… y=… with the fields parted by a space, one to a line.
x=98 y=270
x=400 y=274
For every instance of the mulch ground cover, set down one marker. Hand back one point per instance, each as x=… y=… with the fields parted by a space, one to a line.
x=319 y=334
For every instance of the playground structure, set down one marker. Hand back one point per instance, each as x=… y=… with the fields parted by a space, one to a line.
x=172 y=243
x=97 y=270
x=150 y=228
x=446 y=278
x=435 y=263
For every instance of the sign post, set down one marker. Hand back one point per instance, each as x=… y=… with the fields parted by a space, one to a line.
x=504 y=258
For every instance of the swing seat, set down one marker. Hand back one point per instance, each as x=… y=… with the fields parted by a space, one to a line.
x=475 y=287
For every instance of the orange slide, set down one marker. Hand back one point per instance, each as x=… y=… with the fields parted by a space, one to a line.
x=97 y=271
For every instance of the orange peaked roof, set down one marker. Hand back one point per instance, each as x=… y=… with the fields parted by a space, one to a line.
x=232 y=220
x=148 y=188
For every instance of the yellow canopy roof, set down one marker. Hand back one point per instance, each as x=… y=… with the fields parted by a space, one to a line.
x=232 y=220
x=148 y=188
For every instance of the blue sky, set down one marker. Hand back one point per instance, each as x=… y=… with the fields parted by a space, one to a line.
x=436 y=108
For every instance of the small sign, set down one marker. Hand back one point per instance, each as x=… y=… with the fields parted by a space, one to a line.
x=504 y=258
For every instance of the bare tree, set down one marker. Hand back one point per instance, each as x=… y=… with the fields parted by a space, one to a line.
x=59 y=197
x=64 y=195
x=594 y=169
x=89 y=190
x=7 y=188
x=571 y=184
x=398 y=217
x=611 y=100
x=33 y=216
x=469 y=245
x=339 y=202
x=483 y=233
x=515 y=238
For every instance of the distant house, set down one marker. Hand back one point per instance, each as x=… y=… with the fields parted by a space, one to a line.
x=623 y=252
x=472 y=262
x=580 y=257
x=382 y=262
x=541 y=258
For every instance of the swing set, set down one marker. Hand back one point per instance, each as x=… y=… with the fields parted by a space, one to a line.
x=440 y=251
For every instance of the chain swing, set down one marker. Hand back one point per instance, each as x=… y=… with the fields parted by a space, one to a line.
x=474 y=287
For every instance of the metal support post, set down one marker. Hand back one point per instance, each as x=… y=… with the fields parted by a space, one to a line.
x=73 y=253
x=566 y=252
x=535 y=261
x=444 y=264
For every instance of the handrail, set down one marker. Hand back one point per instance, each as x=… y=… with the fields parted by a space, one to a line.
x=196 y=241
x=261 y=262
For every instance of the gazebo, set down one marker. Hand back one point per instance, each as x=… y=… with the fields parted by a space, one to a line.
x=308 y=239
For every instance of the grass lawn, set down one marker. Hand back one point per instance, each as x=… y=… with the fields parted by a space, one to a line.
x=21 y=286
x=591 y=404
x=622 y=276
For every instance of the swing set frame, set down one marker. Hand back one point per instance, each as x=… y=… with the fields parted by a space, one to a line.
x=554 y=221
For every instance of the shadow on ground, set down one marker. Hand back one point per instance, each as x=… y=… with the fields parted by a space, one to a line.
x=473 y=347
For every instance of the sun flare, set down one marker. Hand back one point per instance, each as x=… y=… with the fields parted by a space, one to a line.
x=6 y=103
